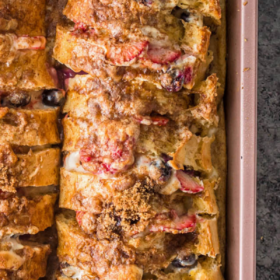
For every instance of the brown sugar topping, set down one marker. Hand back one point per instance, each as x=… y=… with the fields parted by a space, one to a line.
x=129 y=211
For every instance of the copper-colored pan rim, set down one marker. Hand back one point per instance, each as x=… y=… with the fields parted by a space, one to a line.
x=241 y=116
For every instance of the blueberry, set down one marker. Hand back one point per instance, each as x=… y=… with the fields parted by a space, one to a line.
x=18 y=99
x=182 y=14
x=173 y=80
x=52 y=97
x=187 y=261
x=159 y=170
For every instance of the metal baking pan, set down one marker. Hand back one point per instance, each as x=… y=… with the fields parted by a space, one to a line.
x=241 y=121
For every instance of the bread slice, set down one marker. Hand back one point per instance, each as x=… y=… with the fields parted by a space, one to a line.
x=22 y=261
x=207 y=8
x=93 y=55
x=131 y=272
x=141 y=20
x=205 y=269
x=28 y=17
x=36 y=168
x=88 y=97
x=87 y=192
x=111 y=146
x=79 y=249
x=24 y=67
x=25 y=215
x=114 y=12
x=28 y=127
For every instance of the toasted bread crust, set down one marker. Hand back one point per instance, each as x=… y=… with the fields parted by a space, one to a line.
x=208 y=8
x=88 y=97
x=29 y=127
x=123 y=137
x=39 y=168
x=24 y=262
x=26 y=69
x=22 y=215
x=87 y=192
x=93 y=57
x=73 y=243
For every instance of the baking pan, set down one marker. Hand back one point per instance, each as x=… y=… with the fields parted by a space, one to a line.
x=241 y=119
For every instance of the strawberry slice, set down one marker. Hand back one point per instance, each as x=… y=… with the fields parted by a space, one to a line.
x=80 y=26
x=122 y=53
x=79 y=216
x=84 y=156
x=188 y=183
x=160 y=121
x=30 y=43
x=183 y=224
x=188 y=74
x=162 y=55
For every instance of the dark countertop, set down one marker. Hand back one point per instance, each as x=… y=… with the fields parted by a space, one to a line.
x=268 y=199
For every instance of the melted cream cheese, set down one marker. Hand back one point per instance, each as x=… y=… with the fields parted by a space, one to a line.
x=72 y=162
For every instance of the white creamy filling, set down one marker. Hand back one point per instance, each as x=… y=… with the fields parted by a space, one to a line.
x=12 y=242
x=72 y=162
x=154 y=33
x=73 y=272
x=196 y=19
x=185 y=60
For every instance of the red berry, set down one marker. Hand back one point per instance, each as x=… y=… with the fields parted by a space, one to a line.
x=122 y=53
x=79 y=216
x=161 y=55
x=160 y=121
x=188 y=183
x=84 y=156
x=188 y=73
x=80 y=26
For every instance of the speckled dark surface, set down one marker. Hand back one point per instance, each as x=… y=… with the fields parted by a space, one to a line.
x=268 y=200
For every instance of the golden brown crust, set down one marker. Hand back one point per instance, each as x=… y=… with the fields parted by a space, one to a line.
x=97 y=14
x=23 y=215
x=23 y=262
x=114 y=146
x=26 y=69
x=28 y=14
x=218 y=47
x=87 y=192
x=206 y=269
x=93 y=127
x=152 y=253
x=89 y=53
x=195 y=152
x=90 y=97
x=29 y=127
x=220 y=163
x=208 y=8
x=39 y=168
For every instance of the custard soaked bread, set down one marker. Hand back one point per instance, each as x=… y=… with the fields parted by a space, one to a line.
x=34 y=168
x=22 y=260
x=143 y=254
x=28 y=127
x=23 y=58
x=29 y=135
x=139 y=179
